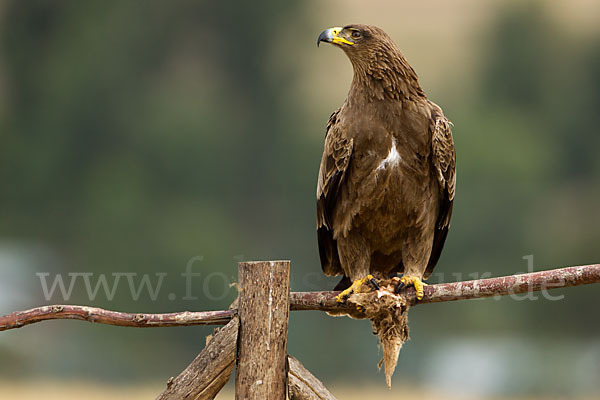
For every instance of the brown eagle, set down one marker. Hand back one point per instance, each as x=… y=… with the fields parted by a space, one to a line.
x=387 y=177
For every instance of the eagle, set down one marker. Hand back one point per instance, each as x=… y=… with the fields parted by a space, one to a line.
x=388 y=172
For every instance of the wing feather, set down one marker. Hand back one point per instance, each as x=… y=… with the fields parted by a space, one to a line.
x=334 y=164
x=444 y=164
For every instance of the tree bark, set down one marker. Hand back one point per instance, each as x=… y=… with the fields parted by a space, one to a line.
x=263 y=309
x=209 y=371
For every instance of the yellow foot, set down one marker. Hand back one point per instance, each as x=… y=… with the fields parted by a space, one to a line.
x=357 y=286
x=416 y=282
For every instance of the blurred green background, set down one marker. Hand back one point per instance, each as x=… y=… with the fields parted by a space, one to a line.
x=137 y=136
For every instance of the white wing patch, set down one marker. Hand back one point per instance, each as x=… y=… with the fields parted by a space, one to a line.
x=393 y=157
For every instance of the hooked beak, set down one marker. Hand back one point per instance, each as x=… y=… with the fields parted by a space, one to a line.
x=331 y=35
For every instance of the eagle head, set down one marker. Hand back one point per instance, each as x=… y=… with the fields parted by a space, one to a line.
x=380 y=69
x=356 y=40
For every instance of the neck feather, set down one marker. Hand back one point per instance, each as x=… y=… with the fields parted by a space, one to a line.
x=384 y=74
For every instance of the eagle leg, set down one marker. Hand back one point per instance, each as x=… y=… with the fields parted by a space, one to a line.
x=412 y=281
x=357 y=287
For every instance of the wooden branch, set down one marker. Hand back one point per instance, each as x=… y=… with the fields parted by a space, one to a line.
x=502 y=286
x=302 y=385
x=92 y=314
x=322 y=301
x=210 y=370
x=263 y=309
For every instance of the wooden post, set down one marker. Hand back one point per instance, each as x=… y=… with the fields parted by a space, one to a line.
x=263 y=309
x=209 y=371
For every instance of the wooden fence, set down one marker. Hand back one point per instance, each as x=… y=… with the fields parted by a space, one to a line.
x=254 y=338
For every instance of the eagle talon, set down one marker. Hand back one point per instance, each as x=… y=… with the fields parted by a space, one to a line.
x=357 y=286
x=413 y=281
x=374 y=283
x=399 y=287
x=342 y=297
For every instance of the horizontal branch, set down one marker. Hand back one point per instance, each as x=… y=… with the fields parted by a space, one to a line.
x=102 y=316
x=465 y=290
x=322 y=301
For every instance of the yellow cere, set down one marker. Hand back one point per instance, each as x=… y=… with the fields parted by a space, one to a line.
x=339 y=40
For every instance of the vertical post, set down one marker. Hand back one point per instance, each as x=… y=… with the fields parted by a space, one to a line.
x=263 y=309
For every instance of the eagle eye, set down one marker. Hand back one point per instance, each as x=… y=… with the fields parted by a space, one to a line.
x=356 y=34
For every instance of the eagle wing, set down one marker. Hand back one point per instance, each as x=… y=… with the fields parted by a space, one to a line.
x=444 y=164
x=334 y=164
